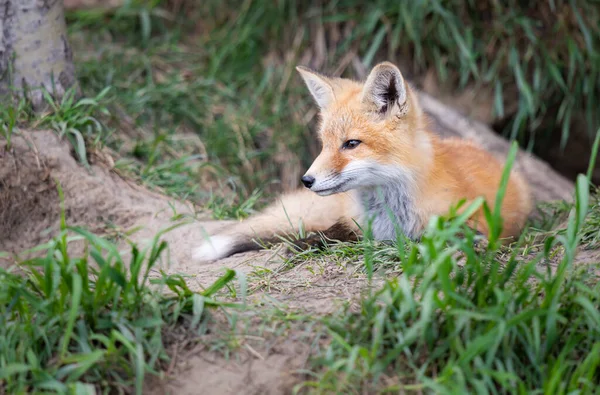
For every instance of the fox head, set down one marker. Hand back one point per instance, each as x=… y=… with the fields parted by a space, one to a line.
x=371 y=132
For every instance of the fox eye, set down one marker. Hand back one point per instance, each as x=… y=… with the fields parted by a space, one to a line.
x=351 y=144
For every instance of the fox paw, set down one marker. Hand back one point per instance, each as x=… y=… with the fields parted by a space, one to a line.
x=216 y=247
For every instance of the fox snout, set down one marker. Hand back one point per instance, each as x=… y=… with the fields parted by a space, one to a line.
x=322 y=179
x=316 y=183
x=324 y=185
x=317 y=173
x=308 y=181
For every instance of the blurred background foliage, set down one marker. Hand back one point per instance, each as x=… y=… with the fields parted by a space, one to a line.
x=204 y=93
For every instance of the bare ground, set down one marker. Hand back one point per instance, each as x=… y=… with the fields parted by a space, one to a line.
x=267 y=360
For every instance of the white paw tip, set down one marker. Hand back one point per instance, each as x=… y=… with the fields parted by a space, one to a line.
x=214 y=248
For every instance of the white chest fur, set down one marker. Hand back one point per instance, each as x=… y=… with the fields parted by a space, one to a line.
x=388 y=208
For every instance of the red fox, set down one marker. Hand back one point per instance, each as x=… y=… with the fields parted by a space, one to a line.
x=379 y=165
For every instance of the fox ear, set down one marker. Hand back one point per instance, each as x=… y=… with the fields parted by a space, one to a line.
x=384 y=90
x=318 y=85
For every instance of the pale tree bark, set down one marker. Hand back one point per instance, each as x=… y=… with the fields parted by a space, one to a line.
x=34 y=51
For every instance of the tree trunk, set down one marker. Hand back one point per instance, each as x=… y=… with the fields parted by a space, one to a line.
x=34 y=52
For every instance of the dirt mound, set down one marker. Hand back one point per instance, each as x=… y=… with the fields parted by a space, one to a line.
x=28 y=198
x=251 y=372
x=97 y=198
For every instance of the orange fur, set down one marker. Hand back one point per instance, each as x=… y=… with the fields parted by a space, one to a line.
x=397 y=152
x=463 y=170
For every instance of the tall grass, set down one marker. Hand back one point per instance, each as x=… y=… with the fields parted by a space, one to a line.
x=222 y=75
x=541 y=61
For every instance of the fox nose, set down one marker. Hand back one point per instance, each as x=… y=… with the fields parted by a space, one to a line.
x=308 y=181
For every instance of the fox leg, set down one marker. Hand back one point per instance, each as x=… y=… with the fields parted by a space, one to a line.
x=340 y=231
x=299 y=210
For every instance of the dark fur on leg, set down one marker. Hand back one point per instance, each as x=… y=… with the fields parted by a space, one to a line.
x=340 y=231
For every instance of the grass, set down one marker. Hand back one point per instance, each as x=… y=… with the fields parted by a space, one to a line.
x=71 y=117
x=591 y=237
x=444 y=328
x=9 y=116
x=214 y=113
x=76 y=324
